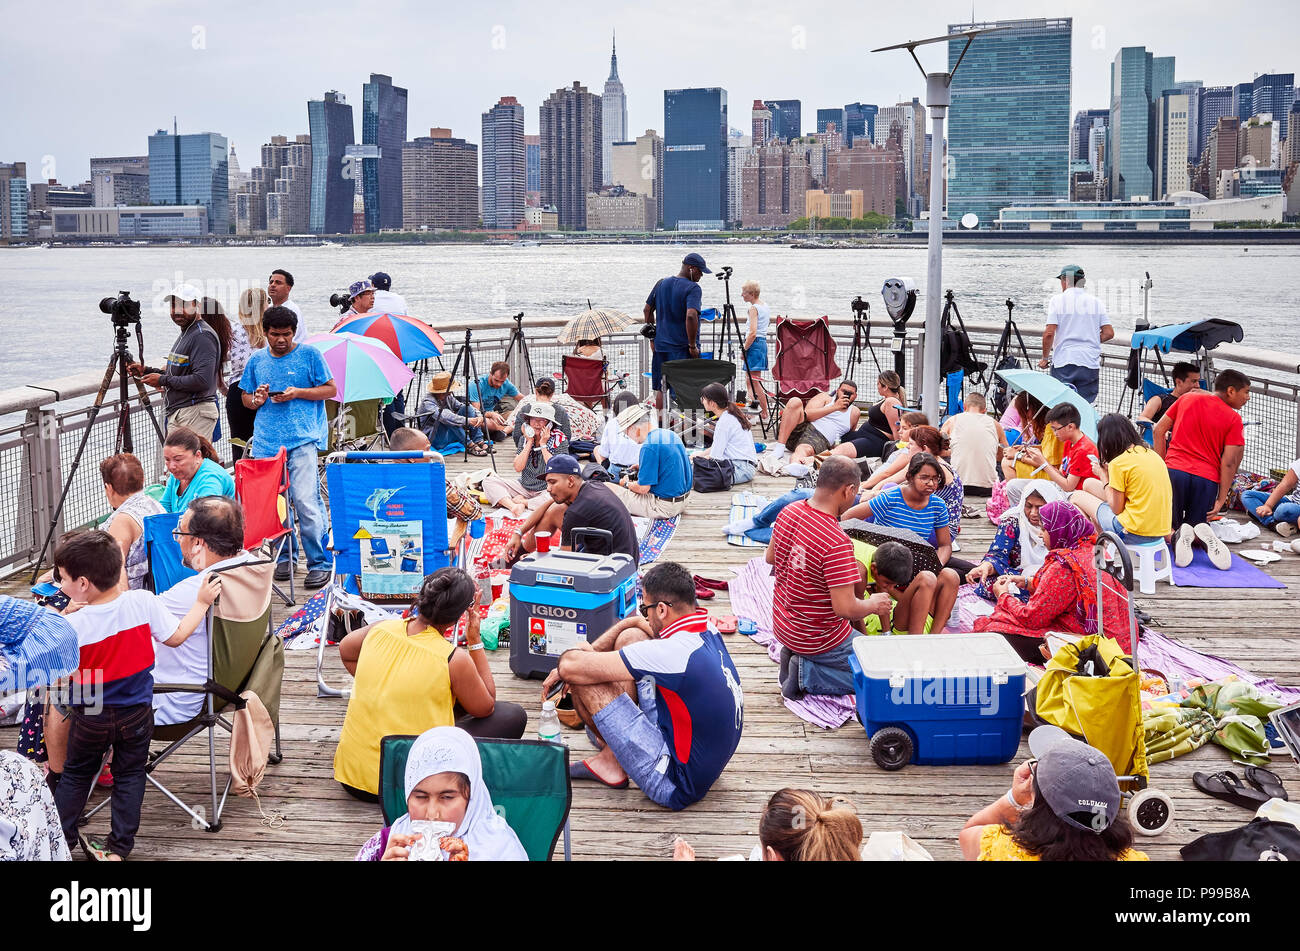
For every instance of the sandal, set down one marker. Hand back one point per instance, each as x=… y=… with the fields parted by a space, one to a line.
x=478 y=449
x=1266 y=781
x=1229 y=788
x=726 y=624
x=95 y=851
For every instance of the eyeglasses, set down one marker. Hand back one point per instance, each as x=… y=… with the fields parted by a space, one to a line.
x=177 y=533
x=645 y=608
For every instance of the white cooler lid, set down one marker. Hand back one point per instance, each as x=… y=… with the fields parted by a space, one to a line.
x=935 y=655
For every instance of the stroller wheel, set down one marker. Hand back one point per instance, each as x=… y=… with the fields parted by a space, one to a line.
x=1151 y=811
x=891 y=748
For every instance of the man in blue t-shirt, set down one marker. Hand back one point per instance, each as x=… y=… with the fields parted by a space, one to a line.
x=287 y=385
x=661 y=484
x=659 y=693
x=490 y=393
x=673 y=309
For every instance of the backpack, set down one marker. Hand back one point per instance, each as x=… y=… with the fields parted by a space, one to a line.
x=999 y=397
x=955 y=350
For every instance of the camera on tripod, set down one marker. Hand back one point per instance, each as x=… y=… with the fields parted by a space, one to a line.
x=342 y=301
x=724 y=274
x=121 y=308
x=860 y=306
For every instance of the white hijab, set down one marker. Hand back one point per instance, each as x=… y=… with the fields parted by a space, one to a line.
x=1032 y=550
x=449 y=749
x=29 y=822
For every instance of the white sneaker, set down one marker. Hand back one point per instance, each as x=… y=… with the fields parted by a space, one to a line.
x=1295 y=546
x=1183 y=545
x=1285 y=529
x=797 y=469
x=1220 y=557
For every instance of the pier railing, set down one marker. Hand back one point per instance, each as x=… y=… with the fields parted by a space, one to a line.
x=44 y=423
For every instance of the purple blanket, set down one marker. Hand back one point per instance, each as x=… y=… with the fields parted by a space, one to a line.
x=1170 y=657
x=1201 y=574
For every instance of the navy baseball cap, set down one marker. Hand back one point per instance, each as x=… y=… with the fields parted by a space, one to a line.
x=381 y=281
x=564 y=464
x=694 y=260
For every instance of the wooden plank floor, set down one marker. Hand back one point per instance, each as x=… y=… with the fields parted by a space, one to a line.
x=1256 y=628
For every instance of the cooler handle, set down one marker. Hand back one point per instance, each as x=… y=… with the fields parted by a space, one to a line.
x=598 y=533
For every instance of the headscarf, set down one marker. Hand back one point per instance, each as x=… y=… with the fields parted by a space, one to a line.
x=1066 y=525
x=1032 y=550
x=1072 y=536
x=449 y=749
x=29 y=821
x=37 y=646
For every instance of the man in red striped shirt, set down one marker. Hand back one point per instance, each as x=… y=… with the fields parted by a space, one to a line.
x=815 y=607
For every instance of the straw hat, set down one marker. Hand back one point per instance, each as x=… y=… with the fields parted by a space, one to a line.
x=441 y=383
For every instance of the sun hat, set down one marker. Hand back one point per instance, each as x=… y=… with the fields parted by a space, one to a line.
x=540 y=410
x=441 y=383
x=631 y=416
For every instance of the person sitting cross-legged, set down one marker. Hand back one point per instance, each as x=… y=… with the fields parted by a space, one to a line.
x=1079 y=450
x=661 y=486
x=573 y=505
x=1279 y=509
x=1131 y=495
x=659 y=695
x=539 y=441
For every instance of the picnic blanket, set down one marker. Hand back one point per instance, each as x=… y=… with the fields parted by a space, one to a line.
x=654 y=536
x=1242 y=574
x=745 y=505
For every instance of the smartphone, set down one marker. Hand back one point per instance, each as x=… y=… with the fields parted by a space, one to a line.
x=559 y=685
x=275 y=393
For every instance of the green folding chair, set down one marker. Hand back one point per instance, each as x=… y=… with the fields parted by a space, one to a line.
x=528 y=780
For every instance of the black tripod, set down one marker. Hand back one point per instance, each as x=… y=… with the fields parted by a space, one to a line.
x=469 y=371
x=122 y=441
x=519 y=344
x=730 y=334
x=861 y=339
x=1003 y=352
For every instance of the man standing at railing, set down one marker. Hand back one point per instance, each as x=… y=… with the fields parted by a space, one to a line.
x=673 y=309
x=1077 y=324
x=193 y=367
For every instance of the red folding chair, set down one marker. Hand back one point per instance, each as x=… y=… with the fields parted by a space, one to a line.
x=804 y=361
x=262 y=488
x=585 y=380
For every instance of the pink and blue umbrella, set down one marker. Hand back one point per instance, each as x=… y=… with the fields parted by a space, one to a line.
x=408 y=337
x=363 y=368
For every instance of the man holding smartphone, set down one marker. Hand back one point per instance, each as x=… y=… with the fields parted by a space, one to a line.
x=287 y=384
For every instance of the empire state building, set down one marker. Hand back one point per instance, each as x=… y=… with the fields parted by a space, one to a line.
x=613 y=108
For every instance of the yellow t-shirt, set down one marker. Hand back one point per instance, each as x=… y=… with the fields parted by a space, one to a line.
x=402 y=686
x=863 y=555
x=1053 y=451
x=997 y=845
x=1148 y=495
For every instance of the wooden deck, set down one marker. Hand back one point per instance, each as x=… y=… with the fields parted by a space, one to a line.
x=1257 y=629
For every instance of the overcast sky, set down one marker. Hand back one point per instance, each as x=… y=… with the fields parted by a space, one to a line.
x=95 y=79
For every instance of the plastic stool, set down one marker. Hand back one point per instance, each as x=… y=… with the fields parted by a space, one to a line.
x=1147 y=572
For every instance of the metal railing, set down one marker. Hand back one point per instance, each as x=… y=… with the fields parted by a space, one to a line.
x=44 y=422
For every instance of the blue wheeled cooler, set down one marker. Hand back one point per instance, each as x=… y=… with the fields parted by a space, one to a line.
x=561 y=596
x=939 y=699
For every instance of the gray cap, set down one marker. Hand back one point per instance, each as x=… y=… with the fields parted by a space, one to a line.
x=1076 y=780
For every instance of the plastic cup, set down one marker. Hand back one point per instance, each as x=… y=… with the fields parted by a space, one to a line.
x=543 y=542
x=498 y=584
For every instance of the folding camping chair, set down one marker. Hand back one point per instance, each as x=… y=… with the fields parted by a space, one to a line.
x=528 y=781
x=683 y=380
x=243 y=654
x=803 y=365
x=360 y=429
x=262 y=488
x=166 y=565
x=587 y=380
x=374 y=511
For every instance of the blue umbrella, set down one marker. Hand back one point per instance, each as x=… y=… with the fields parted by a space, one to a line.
x=1050 y=391
x=1189 y=338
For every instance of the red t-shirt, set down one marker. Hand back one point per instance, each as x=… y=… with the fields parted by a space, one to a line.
x=811 y=555
x=1204 y=426
x=1076 y=461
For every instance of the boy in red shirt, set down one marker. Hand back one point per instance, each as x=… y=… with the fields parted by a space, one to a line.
x=1202 y=441
x=1079 y=450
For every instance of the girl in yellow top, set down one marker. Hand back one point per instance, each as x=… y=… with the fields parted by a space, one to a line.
x=1131 y=494
x=410 y=679
x=1063 y=806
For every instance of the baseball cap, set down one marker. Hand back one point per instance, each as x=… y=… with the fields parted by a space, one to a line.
x=631 y=416
x=1076 y=780
x=381 y=281
x=359 y=287
x=540 y=410
x=185 y=292
x=564 y=464
x=694 y=260
x=1072 y=271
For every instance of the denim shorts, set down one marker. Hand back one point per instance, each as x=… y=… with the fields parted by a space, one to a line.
x=1110 y=522
x=756 y=356
x=632 y=733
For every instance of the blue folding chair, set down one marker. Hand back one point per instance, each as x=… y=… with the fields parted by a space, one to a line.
x=374 y=510
x=166 y=564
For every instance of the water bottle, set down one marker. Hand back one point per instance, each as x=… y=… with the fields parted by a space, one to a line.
x=548 y=730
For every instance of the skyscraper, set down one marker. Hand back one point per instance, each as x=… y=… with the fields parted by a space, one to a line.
x=571 y=121
x=695 y=158
x=383 y=124
x=739 y=149
x=613 y=115
x=439 y=182
x=1215 y=103
x=191 y=170
x=638 y=166
x=827 y=116
x=120 y=180
x=1137 y=78
x=533 y=158
x=13 y=200
x=1173 y=136
x=760 y=123
x=1243 y=100
x=288 y=204
x=859 y=120
x=787 y=118
x=1273 y=93
x=774 y=179
x=1084 y=121
x=868 y=169
x=332 y=182
x=505 y=164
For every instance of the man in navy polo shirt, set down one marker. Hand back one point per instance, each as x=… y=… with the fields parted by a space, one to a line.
x=673 y=309
x=660 y=695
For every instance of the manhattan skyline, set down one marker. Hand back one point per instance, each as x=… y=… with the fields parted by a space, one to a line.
x=246 y=72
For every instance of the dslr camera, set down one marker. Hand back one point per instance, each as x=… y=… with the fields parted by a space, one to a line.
x=121 y=308
x=342 y=301
x=724 y=273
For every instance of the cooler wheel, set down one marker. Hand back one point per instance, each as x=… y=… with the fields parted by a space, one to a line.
x=891 y=748
x=1150 y=811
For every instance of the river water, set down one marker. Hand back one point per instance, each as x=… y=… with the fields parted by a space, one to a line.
x=52 y=326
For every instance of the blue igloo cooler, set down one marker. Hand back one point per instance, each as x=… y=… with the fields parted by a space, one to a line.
x=561 y=596
x=939 y=699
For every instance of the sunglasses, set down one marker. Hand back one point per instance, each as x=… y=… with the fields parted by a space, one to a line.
x=645 y=608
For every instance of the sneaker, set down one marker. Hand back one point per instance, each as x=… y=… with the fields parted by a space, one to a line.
x=797 y=469
x=1295 y=546
x=1183 y=545
x=1220 y=557
x=738 y=528
x=1285 y=529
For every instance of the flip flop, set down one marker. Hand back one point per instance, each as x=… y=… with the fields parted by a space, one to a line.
x=1266 y=781
x=95 y=851
x=1228 y=787
x=581 y=770
x=701 y=581
x=726 y=624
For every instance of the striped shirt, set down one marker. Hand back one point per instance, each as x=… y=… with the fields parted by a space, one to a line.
x=889 y=508
x=116 y=641
x=811 y=554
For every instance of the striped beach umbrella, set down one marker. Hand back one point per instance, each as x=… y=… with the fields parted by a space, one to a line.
x=591 y=324
x=363 y=368
x=408 y=337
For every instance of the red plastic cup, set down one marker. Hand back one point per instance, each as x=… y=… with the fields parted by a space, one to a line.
x=498 y=584
x=543 y=542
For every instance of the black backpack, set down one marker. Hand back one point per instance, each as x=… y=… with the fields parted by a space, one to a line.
x=999 y=396
x=955 y=350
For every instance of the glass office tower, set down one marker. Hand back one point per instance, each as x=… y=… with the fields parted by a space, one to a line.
x=1273 y=93
x=333 y=181
x=859 y=122
x=695 y=158
x=787 y=118
x=1009 y=124
x=1137 y=80
x=190 y=170
x=383 y=123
